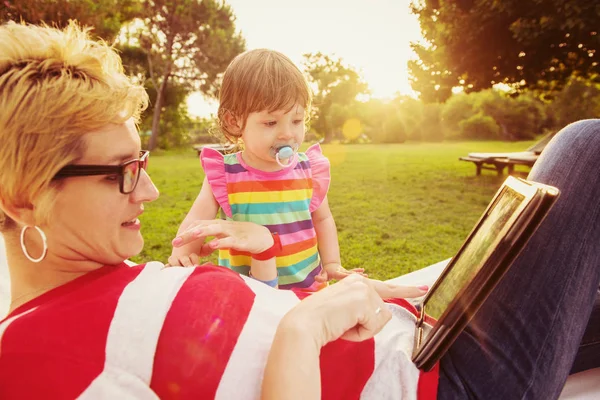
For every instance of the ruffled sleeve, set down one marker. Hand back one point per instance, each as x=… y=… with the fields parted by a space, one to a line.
x=319 y=165
x=214 y=168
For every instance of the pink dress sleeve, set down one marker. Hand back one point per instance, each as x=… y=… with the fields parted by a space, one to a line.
x=319 y=165
x=214 y=168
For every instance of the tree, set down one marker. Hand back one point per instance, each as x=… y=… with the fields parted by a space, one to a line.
x=174 y=119
x=333 y=83
x=189 y=41
x=104 y=16
x=524 y=44
x=578 y=100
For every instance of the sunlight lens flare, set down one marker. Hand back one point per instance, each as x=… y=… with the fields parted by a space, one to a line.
x=352 y=128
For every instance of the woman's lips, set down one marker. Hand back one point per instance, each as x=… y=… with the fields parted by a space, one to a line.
x=134 y=224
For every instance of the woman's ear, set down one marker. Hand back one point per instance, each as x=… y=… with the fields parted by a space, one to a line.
x=21 y=215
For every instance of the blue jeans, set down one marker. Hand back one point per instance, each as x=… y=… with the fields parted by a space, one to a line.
x=588 y=355
x=523 y=341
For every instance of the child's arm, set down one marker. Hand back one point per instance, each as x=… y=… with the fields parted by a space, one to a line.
x=263 y=266
x=242 y=236
x=205 y=207
x=329 y=248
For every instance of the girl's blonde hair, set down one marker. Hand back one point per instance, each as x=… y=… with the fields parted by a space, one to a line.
x=55 y=86
x=260 y=80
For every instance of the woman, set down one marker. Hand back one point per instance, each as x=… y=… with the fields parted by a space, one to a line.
x=83 y=324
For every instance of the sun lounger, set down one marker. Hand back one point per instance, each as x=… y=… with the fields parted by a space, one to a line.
x=498 y=161
x=221 y=148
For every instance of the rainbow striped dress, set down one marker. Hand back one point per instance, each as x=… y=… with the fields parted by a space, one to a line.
x=282 y=201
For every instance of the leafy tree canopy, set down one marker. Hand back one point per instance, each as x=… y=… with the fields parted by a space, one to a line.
x=474 y=44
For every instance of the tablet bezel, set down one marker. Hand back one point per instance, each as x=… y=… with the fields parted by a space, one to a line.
x=431 y=341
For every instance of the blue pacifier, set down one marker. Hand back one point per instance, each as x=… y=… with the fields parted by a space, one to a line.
x=284 y=154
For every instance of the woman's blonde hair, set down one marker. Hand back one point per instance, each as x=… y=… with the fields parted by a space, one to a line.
x=55 y=86
x=260 y=80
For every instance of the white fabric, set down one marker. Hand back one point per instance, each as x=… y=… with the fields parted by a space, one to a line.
x=582 y=386
x=237 y=382
x=393 y=354
x=133 y=349
x=136 y=353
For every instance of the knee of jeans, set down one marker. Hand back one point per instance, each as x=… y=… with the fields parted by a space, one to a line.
x=575 y=147
x=577 y=137
x=588 y=129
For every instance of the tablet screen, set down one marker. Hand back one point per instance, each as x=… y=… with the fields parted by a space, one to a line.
x=474 y=253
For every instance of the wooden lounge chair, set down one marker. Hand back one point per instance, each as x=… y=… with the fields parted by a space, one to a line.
x=498 y=161
x=221 y=148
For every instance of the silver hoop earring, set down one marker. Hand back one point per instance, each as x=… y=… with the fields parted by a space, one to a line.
x=44 y=243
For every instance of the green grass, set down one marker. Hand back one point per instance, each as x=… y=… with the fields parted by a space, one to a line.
x=398 y=207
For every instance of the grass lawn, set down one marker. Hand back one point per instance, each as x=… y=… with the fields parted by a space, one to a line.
x=398 y=207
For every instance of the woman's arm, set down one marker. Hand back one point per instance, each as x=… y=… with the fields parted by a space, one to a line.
x=292 y=370
x=351 y=309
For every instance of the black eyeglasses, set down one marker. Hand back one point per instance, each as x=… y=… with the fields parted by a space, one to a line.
x=128 y=172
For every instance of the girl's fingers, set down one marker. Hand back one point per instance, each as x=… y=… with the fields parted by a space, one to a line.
x=206 y=250
x=187 y=261
x=321 y=276
x=173 y=262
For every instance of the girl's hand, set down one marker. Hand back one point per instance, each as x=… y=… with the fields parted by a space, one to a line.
x=352 y=309
x=336 y=271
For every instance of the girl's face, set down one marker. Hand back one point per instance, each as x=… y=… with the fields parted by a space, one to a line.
x=92 y=219
x=265 y=132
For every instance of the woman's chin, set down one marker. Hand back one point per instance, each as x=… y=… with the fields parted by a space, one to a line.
x=131 y=247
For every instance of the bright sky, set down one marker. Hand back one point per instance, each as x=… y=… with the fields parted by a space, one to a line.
x=372 y=36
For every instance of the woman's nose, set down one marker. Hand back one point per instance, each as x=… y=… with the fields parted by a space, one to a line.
x=145 y=190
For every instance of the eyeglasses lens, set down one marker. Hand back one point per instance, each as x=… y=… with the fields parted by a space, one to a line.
x=130 y=176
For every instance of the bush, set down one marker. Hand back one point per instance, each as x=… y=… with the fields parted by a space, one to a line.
x=431 y=126
x=479 y=126
x=578 y=100
x=519 y=118
x=458 y=108
x=394 y=130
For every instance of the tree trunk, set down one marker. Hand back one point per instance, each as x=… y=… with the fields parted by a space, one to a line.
x=328 y=133
x=157 y=111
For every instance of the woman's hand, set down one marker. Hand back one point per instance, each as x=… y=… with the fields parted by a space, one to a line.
x=337 y=272
x=241 y=236
x=352 y=309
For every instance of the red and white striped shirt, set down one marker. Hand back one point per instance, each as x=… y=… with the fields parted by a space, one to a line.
x=149 y=332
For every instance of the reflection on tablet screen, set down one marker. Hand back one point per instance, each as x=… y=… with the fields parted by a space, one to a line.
x=473 y=255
